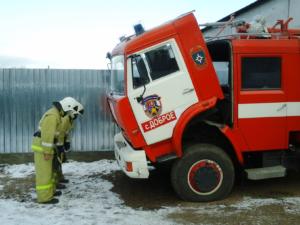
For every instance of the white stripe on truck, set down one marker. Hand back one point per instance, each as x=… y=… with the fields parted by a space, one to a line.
x=260 y=110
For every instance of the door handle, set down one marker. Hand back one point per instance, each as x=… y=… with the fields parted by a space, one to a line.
x=187 y=90
x=281 y=107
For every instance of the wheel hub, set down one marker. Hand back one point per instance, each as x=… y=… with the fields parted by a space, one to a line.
x=205 y=177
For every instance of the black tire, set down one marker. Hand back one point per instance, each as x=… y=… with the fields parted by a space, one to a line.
x=202 y=161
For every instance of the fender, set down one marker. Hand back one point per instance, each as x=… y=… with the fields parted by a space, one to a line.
x=185 y=118
x=237 y=142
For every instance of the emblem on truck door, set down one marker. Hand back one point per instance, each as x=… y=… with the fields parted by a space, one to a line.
x=198 y=56
x=152 y=105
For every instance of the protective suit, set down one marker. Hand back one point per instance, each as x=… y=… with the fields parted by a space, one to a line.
x=43 y=146
x=64 y=140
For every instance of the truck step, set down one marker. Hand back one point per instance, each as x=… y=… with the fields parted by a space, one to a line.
x=266 y=172
x=166 y=158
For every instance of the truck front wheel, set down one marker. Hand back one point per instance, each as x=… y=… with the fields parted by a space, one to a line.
x=204 y=173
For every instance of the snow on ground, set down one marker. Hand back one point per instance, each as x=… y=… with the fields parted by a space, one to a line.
x=88 y=200
x=19 y=171
x=290 y=205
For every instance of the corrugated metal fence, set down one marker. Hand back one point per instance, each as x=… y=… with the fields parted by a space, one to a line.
x=27 y=93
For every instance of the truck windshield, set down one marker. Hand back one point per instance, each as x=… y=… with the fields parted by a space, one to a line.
x=117 y=75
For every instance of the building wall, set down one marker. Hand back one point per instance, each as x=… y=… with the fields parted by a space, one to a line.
x=294 y=12
x=271 y=10
x=27 y=93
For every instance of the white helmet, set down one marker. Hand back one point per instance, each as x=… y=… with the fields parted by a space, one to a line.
x=78 y=110
x=68 y=104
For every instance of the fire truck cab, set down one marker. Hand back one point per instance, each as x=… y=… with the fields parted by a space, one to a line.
x=212 y=109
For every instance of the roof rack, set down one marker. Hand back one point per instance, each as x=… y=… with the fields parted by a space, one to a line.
x=243 y=31
x=240 y=36
x=276 y=36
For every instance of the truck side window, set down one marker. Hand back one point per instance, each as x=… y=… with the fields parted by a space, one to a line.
x=139 y=72
x=261 y=73
x=161 y=62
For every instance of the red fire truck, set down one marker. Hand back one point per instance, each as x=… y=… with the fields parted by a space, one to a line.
x=212 y=109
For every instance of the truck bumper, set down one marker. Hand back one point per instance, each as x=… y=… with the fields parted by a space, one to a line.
x=133 y=162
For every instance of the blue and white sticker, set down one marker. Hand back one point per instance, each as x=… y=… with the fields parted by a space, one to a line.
x=198 y=56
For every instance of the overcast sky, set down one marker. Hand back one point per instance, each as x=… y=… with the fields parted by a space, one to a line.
x=78 y=33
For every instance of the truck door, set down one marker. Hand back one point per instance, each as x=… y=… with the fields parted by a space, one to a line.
x=262 y=106
x=159 y=89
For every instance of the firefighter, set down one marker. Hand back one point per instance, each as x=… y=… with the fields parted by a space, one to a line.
x=64 y=140
x=43 y=145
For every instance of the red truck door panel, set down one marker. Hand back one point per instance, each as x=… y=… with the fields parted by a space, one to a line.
x=262 y=101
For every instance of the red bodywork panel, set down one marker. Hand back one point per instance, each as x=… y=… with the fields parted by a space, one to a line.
x=267 y=133
x=246 y=134
x=124 y=117
x=186 y=32
x=204 y=78
x=186 y=118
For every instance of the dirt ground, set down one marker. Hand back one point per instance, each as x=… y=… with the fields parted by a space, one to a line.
x=251 y=202
x=156 y=192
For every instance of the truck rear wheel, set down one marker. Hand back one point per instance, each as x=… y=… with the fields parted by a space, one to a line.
x=204 y=173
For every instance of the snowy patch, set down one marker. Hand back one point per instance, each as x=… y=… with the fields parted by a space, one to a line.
x=292 y=205
x=88 y=200
x=19 y=171
x=74 y=168
x=91 y=168
x=249 y=203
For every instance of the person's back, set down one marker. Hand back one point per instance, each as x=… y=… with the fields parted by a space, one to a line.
x=43 y=147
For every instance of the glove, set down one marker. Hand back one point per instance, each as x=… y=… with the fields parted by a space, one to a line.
x=55 y=162
x=60 y=149
x=64 y=157
x=67 y=146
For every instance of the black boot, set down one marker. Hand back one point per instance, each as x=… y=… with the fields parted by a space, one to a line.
x=64 y=181
x=52 y=201
x=57 y=193
x=60 y=186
